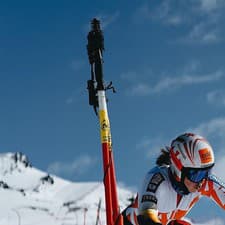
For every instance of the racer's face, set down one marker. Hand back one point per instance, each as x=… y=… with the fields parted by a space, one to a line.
x=192 y=186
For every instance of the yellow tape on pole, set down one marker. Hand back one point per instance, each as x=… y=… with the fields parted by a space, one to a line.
x=105 y=128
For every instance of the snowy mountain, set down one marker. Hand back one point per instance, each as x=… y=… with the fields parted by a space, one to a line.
x=29 y=196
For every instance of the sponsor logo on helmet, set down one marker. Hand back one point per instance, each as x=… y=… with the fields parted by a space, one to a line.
x=205 y=156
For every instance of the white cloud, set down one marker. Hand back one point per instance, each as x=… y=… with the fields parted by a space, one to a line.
x=216 y=97
x=203 y=33
x=76 y=167
x=166 y=83
x=214 y=127
x=140 y=89
x=175 y=82
x=202 y=19
x=211 y=5
x=211 y=37
x=163 y=13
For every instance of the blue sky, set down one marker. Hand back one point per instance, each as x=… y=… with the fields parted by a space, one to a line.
x=166 y=61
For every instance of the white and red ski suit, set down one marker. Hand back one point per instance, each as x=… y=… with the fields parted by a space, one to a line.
x=158 y=193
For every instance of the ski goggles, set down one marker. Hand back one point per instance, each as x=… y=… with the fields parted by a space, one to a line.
x=196 y=175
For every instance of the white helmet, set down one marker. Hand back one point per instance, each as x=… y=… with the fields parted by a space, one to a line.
x=192 y=156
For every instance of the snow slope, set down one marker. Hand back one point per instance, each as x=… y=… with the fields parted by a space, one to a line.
x=29 y=196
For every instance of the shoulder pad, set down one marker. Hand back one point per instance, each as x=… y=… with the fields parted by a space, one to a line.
x=154 y=182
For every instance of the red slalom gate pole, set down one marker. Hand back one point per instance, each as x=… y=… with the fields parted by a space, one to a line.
x=108 y=161
x=97 y=99
x=115 y=203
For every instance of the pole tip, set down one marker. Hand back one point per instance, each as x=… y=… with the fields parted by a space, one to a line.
x=95 y=24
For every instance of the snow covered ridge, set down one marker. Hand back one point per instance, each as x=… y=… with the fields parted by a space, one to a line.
x=12 y=161
x=15 y=169
x=31 y=196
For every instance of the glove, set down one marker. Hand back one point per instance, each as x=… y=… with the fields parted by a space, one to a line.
x=179 y=222
x=143 y=220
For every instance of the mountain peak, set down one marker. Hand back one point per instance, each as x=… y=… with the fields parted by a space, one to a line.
x=36 y=197
x=10 y=162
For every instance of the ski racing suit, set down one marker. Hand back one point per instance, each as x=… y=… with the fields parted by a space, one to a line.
x=158 y=194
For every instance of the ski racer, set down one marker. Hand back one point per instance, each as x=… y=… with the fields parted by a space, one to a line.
x=182 y=176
